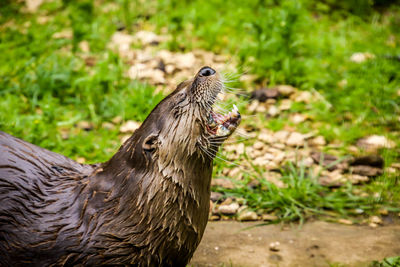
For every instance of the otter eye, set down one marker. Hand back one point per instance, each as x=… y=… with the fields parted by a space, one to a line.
x=150 y=143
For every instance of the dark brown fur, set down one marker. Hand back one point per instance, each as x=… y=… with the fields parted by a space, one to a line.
x=147 y=206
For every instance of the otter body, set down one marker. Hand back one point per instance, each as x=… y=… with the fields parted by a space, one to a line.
x=147 y=206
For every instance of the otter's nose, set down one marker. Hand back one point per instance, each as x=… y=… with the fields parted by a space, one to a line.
x=206 y=71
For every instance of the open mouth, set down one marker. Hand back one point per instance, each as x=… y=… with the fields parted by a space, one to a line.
x=223 y=125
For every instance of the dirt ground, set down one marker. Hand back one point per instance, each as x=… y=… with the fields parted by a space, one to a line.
x=316 y=243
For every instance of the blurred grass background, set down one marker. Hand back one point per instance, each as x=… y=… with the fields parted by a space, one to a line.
x=46 y=85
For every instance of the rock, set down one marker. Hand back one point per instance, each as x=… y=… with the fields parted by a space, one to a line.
x=345 y=221
x=269 y=217
x=107 y=125
x=258 y=145
x=216 y=197
x=328 y=161
x=332 y=179
x=84 y=46
x=185 y=61
x=147 y=37
x=253 y=184
x=273 y=111
x=370 y=160
x=85 y=125
x=80 y=160
x=129 y=126
x=366 y=170
x=281 y=136
x=274 y=178
x=297 y=118
x=274 y=246
x=248 y=216
x=266 y=137
x=375 y=142
x=253 y=106
x=375 y=219
x=33 y=5
x=117 y=120
x=225 y=183
x=361 y=57
x=215 y=218
x=285 y=90
x=295 y=139
x=303 y=96
x=230 y=209
x=121 y=41
x=356 y=179
x=263 y=94
x=286 y=104
x=65 y=34
x=317 y=141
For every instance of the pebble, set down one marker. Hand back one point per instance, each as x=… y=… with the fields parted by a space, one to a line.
x=274 y=246
x=269 y=217
x=286 y=90
x=230 y=209
x=129 y=126
x=225 y=183
x=295 y=139
x=247 y=216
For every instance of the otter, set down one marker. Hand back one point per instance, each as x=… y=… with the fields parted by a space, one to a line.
x=147 y=206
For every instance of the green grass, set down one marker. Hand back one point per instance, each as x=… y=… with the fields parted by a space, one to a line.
x=47 y=86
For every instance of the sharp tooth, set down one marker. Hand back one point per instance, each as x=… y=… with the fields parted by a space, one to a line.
x=235 y=109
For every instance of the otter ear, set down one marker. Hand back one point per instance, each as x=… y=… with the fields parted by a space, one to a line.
x=150 y=143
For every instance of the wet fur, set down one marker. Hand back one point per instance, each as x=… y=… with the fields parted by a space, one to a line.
x=147 y=206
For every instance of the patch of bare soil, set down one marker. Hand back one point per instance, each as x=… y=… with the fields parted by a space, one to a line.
x=314 y=244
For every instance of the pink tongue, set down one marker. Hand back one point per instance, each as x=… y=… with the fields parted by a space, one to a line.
x=219 y=118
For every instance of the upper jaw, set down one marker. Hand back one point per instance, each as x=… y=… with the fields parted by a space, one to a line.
x=223 y=125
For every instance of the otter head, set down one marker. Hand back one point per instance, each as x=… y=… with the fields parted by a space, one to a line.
x=183 y=132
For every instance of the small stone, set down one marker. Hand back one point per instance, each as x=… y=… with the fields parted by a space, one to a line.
x=303 y=96
x=383 y=212
x=345 y=221
x=230 y=209
x=274 y=246
x=370 y=160
x=129 y=127
x=248 y=216
x=375 y=142
x=147 y=37
x=117 y=120
x=216 y=196
x=373 y=225
x=107 y=125
x=366 y=170
x=84 y=46
x=295 y=139
x=65 y=34
x=269 y=217
x=285 y=90
x=297 y=118
x=215 y=218
x=253 y=106
x=258 y=145
x=281 y=136
x=375 y=219
x=266 y=137
x=263 y=94
x=318 y=141
x=225 y=183
x=360 y=57
x=273 y=111
x=286 y=104
x=253 y=184
x=85 y=125
x=80 y=160
x=185 y=61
